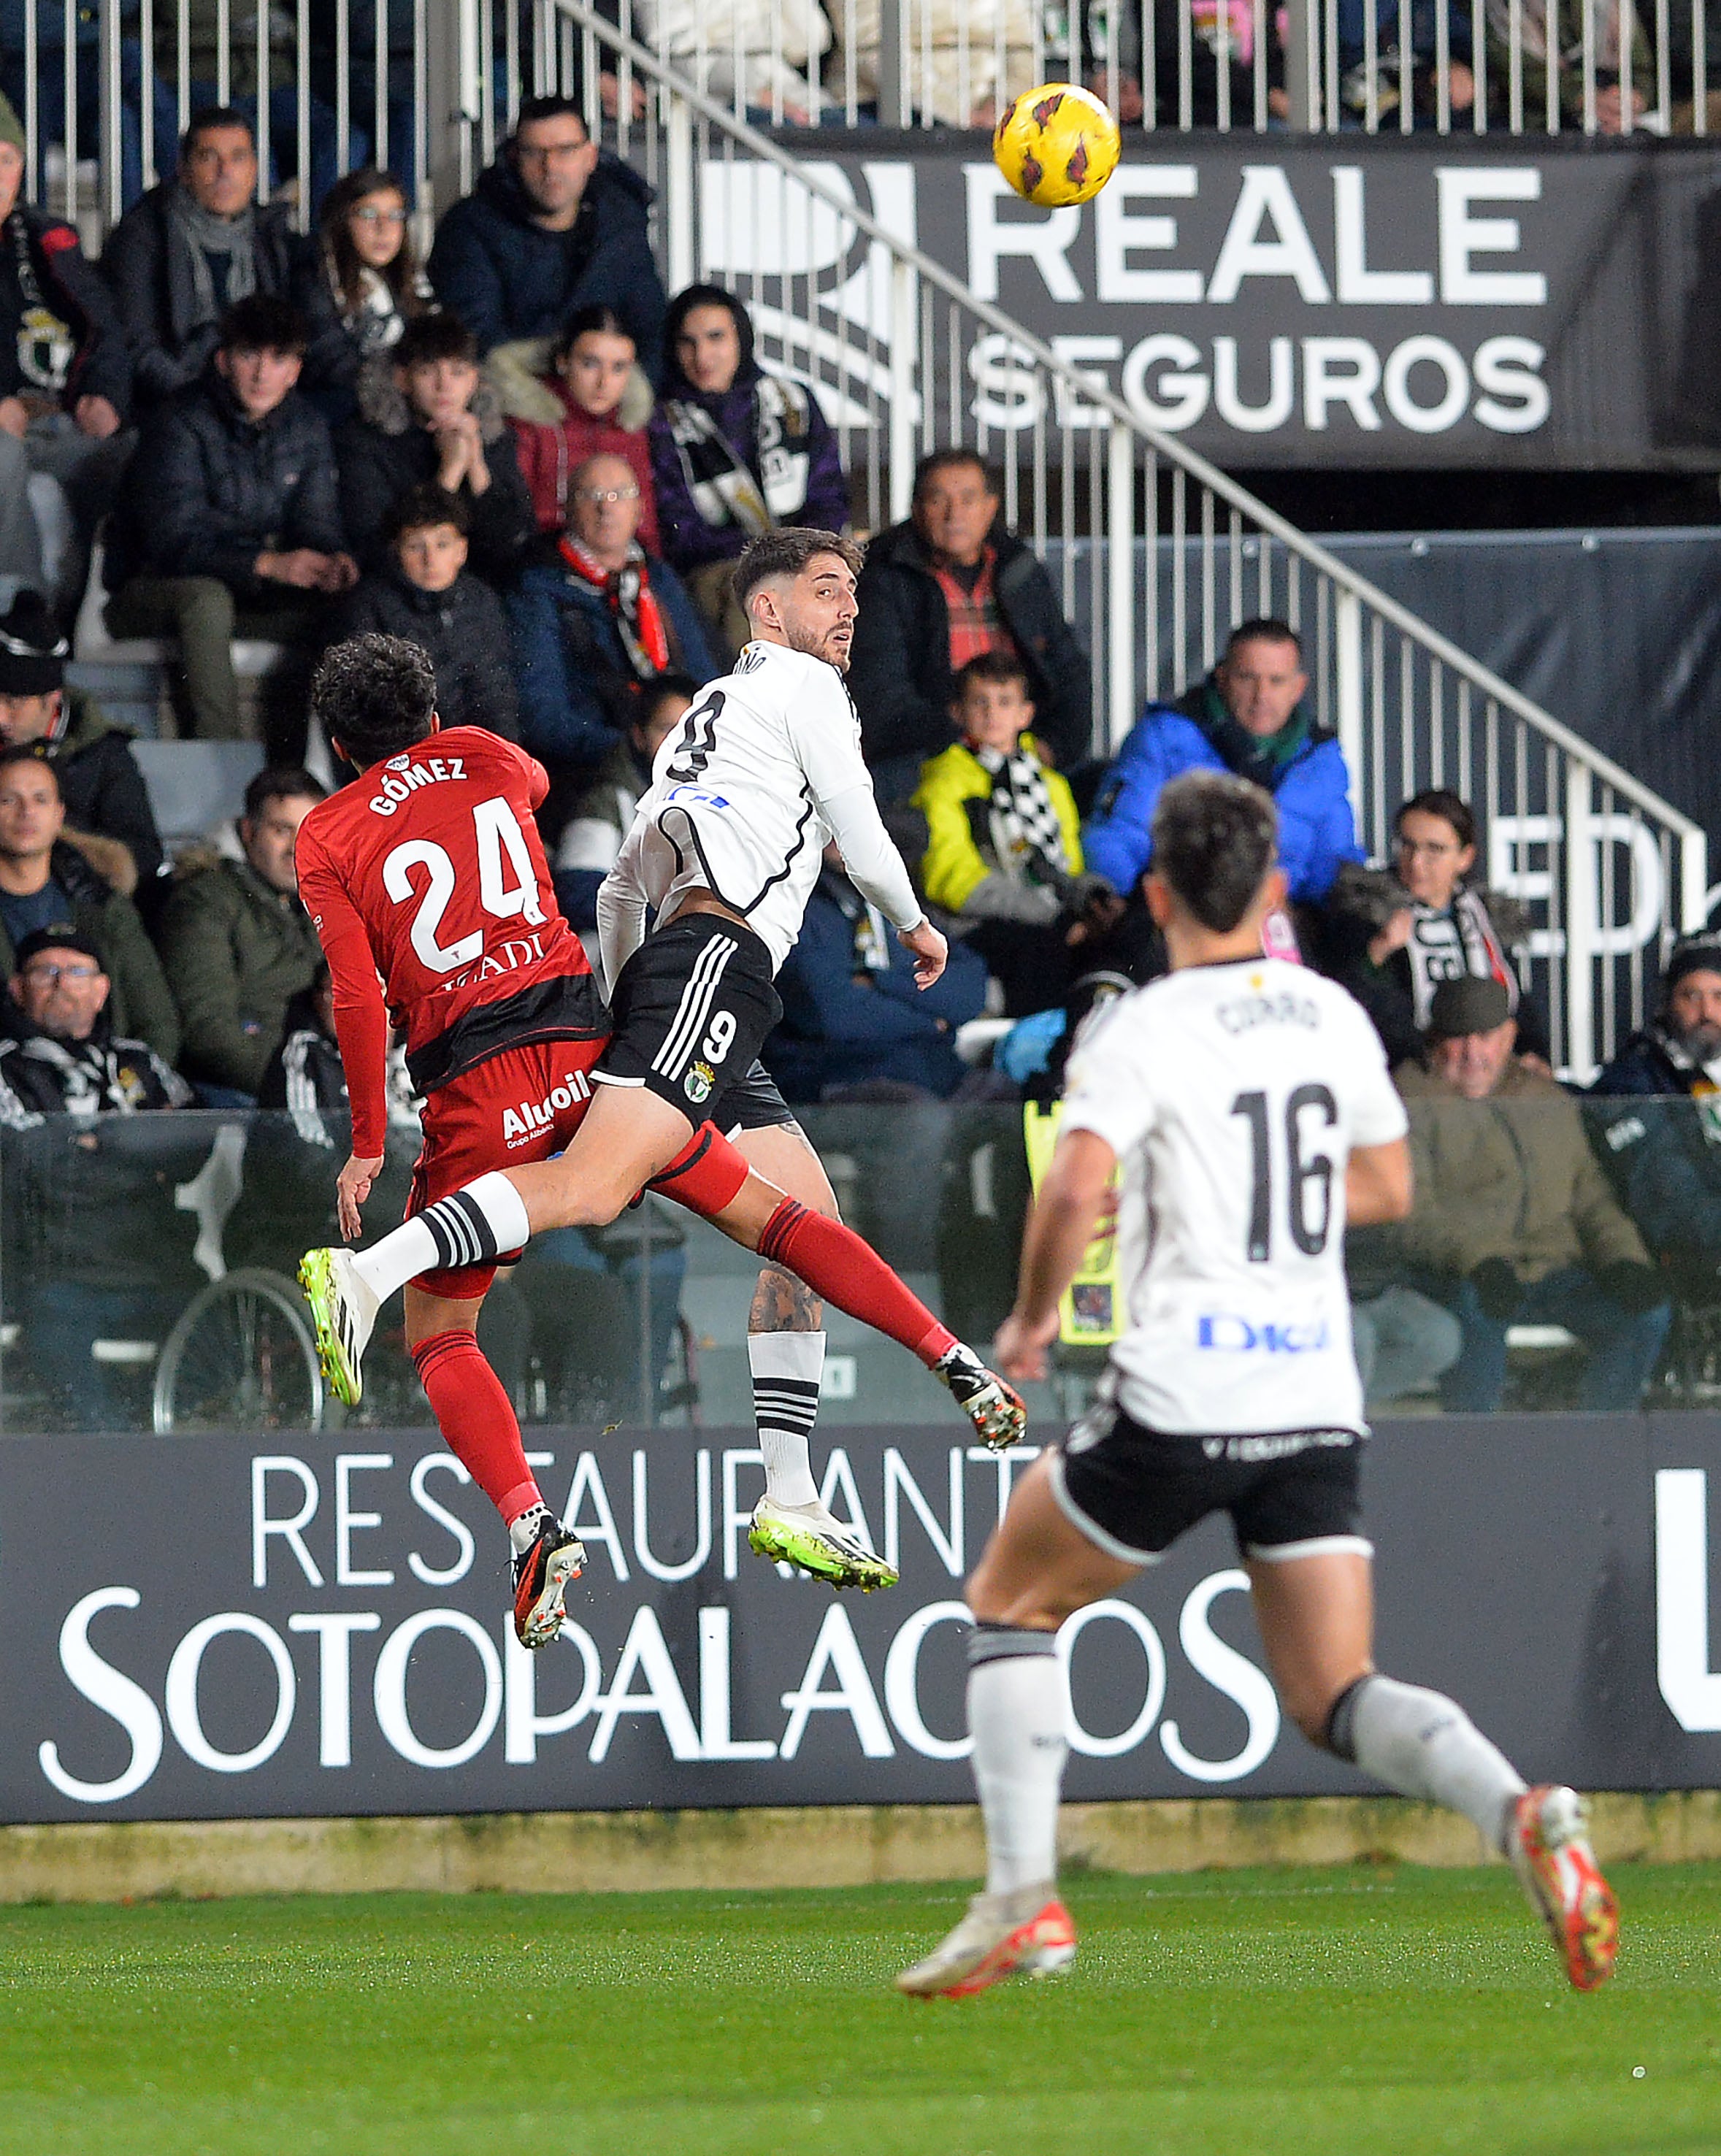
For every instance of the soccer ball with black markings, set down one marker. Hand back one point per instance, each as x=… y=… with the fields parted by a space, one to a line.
x=1057 y=144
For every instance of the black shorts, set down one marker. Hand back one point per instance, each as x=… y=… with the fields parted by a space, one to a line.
x=1133 y=1491
x=753 y=1103
x=691 y=1010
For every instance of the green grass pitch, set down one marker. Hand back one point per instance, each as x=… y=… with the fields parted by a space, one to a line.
x=1362 y=2010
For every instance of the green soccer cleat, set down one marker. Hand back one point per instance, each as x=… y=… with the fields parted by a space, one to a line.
x=809 y=1536
x=343 y=1314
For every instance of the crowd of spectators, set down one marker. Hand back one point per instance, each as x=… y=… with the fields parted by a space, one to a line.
x=528 y=458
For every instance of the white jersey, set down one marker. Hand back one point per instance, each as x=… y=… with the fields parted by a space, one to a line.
x=1232 y=1095
x=761 y=772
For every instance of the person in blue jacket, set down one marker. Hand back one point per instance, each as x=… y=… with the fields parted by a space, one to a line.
x=850 y=1009
x=1247 y=716
x=554 y=225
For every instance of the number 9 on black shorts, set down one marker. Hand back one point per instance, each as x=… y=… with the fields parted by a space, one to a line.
x=691 y=1009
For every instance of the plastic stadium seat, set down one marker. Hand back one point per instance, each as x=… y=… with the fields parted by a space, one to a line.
x=196 y=785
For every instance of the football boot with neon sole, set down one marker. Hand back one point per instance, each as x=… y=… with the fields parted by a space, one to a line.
x=1548 y=1842
x=1025 y=1933
x=343 y=1315
x=810 y=1536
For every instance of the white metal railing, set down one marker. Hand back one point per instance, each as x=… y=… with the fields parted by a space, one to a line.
x=1156 y=553
x=103 y=90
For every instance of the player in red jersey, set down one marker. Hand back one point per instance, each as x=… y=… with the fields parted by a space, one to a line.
x=428 y=886
x=431 y=896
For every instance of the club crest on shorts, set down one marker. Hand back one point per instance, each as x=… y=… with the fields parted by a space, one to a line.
x=698 y=1083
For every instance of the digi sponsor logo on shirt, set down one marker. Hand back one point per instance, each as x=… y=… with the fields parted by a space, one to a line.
x=1227 y=1334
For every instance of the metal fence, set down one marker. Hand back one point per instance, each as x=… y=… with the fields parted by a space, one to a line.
x=104 y=87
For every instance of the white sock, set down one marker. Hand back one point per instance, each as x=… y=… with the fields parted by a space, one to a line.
x=1018 y=1710
x=1424 y=1745
x=786 y=1368
x=474 y=1227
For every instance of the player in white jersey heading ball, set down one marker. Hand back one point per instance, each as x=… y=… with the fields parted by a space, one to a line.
x=726 y=848
x=1248 y=1103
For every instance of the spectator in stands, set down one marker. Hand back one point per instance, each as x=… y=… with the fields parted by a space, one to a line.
x=1004 y=854
x=592 y=401
x=60 y=1054
x=851 y=1012
x=1392 y=941
x=427 y=417
x=305 y=1075
x=734 y=451
x=428 y=595
x=229 y=524
x=65 y=389
x=370 y=276
x=1423 y=21
x=952 y=47
x=554 y=225
x=938 y=591
x=1514 y=1222
x=1219 y=36
x=1525 y=22
x=1247 y=716
x=594 y=621
x=751 y=55
x=1404 y=1342
x=604 y=814
x=1660 y=1128
x=238 y=944
x=45 y=883
x=109 y=819
x=191 y=248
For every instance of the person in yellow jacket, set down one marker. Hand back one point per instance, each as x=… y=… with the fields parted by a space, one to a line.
x=1004 y=852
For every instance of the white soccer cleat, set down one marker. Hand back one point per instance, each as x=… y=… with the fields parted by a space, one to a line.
x=1548 y=1842
x=1025 y=1933
x=811 y=1537
x=343 y=1311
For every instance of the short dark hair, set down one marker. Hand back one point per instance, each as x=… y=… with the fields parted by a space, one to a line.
x=375 y=695
x=997 y=667
x=207 y=118
x=30 y=752
x=588 y=321
x=1214 y=835
x=421 y=509
x=927 y=469
x=786 y=553
x=263 y=321
x=428 y=338
x=282 y=782
x=1263 y=629
x=1451 y=807
x=551 y=107
x=656 y=692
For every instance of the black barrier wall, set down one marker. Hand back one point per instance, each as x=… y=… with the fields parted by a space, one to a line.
x=321 y=1627
x=1296 y=301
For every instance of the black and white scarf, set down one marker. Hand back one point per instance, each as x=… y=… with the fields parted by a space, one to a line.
x=1446 y=947
x=46 y=346
x=758 y=494
x=1026 y=832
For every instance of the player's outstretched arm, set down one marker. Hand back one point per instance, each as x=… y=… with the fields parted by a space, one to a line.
x=1378 y=1184
x=1059 y=1227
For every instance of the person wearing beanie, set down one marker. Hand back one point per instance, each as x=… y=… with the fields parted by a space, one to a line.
x=1658 y=1109
x=1514 y=1222
x=109 y=819
x=65 y=1070
x=65 y=390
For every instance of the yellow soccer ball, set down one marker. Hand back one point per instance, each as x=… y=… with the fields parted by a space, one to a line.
x=1057 y=144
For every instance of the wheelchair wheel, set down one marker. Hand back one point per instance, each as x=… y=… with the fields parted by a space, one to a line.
x=241 y=1358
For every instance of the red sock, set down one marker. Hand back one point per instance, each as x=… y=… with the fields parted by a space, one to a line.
x=836 y=1263
x=476 y=1417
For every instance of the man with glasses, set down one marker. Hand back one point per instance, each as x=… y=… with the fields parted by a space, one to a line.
x=71 y=1188
x=597 y=620
x=554 y=225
